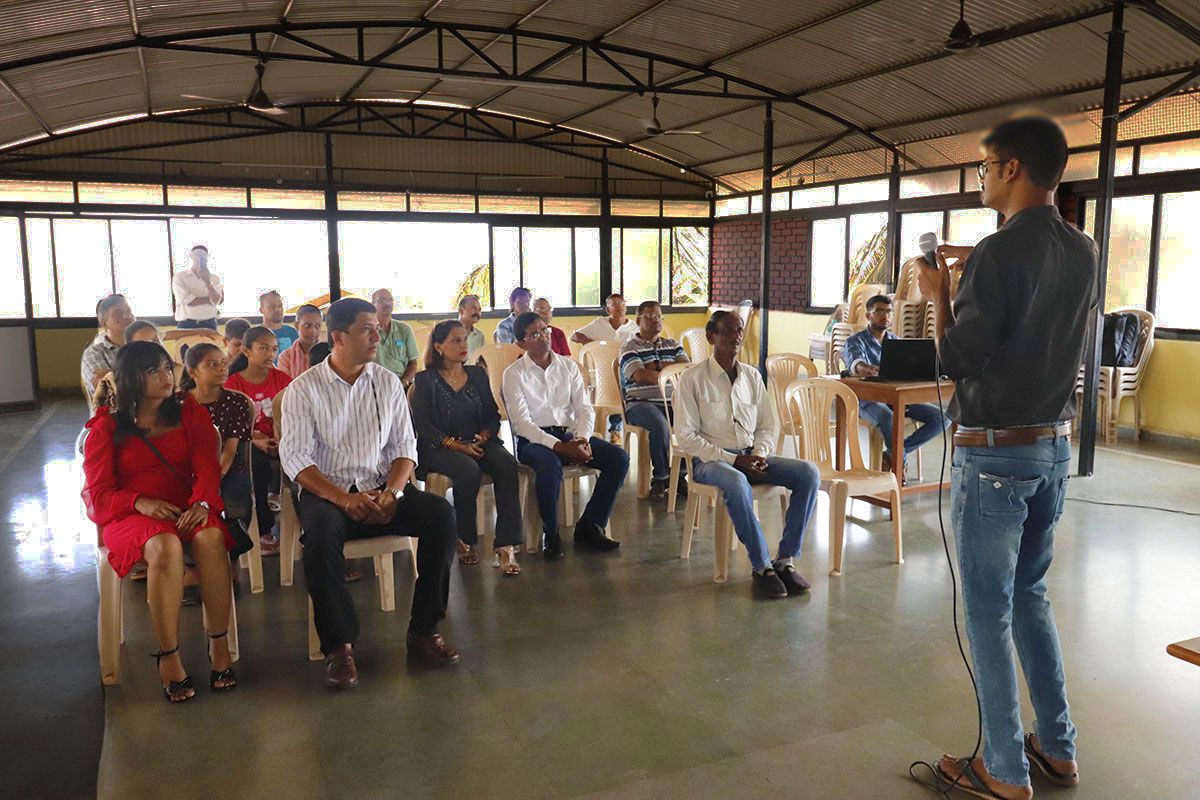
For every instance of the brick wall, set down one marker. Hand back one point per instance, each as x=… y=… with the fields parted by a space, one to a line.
x=736 y=248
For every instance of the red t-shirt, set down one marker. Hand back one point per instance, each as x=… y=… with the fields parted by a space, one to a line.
x=262 y=394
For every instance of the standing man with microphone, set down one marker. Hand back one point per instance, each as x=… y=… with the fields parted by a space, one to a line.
x=1013 y=340
x=198 y=292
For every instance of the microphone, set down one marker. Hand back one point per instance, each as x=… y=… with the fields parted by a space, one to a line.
x=928 y=244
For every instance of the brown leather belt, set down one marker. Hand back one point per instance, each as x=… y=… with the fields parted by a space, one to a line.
x=1010 y=437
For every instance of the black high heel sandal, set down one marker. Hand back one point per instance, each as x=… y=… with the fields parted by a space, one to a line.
x=175 y=688
x=226 y=674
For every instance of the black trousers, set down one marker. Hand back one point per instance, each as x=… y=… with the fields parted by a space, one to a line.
x=467 y=474
x=425 y=517
x=262 y=467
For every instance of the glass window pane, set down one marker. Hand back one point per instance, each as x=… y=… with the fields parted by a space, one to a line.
x=41 y=267
x=862 y=192
x=640 y=260
x=587 y=266
x=571 y=205
x=779 y=201
x=685 y=208
x=1167 y=156
x=969 y=225
x=756 y=204
x=142 y=264
x=813 y=198
x=616 y=261
x=253 y=255
x=733 y=206
x=84 y=267
x=828 y=261
x=1178 y=252
x=12 y=272
x=868 y=249
x=37 y=191
x=506 y=255
x=509 y=205
x=547 y=257
x=911 y=228
x=929 y=184
x=286 y=198
x=1129 y=252
x=445 y=203
x=372 y=201
x=145 y=193
x=689 y=282
x=1086 y=166
x=457 y=251
x=634 y=208
x=206 y=196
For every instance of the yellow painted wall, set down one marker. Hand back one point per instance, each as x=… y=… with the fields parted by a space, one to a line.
x=1170 y=390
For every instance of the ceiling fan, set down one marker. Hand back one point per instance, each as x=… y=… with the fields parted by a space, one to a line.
x=960 y=39
x=652 y=127
x=257 y=100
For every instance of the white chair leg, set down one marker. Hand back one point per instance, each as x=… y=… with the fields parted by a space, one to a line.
x=723 y=533
x=532 y=519
x=253 y=558
x=839 y=496
x=289 y=535
x=387 y=582
x=1137 y=418
x=314 y=641
x=689 y=516
x=896 y=529
x=109 y=628
x=673 y=484
x=234 y=647
x=643 y=462
x=567 y=495
x=480 y=513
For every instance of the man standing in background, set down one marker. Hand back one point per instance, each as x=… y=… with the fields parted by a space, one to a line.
x=398 y=350
x=198 y=292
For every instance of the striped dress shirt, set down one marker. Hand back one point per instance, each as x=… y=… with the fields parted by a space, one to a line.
x=350 y=432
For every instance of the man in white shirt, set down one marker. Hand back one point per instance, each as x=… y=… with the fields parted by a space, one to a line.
x=348 y=441
x=548 y=408
x=724 y=421
x=198 y=292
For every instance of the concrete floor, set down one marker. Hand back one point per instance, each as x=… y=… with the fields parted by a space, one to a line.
x=623 y=675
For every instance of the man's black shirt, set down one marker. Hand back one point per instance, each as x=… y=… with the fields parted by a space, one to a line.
x=1021 y=314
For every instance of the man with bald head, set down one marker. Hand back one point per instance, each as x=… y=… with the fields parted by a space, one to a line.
x=398 y=350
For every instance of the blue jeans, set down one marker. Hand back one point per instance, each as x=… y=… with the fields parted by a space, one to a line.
x=651 y=416
x=928 y=414
x=192 y=324
x=612 y=461
x=802 y=477
x=1006 y=502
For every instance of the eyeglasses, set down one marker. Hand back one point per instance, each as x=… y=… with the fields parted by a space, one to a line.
x=887 y=312
x=982 y=166
x=537 y=335
x=653 y=317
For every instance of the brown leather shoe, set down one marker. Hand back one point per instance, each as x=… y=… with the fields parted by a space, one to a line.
x=433 y=650
x=340 y=672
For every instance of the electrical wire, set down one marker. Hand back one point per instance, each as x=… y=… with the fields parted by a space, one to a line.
x=1134 y=505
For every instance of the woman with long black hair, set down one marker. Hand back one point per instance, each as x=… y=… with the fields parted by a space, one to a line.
x=153 y=483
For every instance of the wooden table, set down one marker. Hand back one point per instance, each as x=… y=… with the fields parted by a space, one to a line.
x=898 y=395
x=1188 y=651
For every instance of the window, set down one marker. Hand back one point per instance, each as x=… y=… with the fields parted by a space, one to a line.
x=571 y=205
x=616 y=259
x=41 y=267
x=868 y=249
x=815 y=197
x=862 y=192
x=509 y=205
x=81 y=256
x=929 y=184
x=828 y=262
x=37 y=191
x=911 y=228
x=506 y=256
x=641 y=262
x=12 y=273
x=689 y=266
x=427 y=265
x=372 y=201
x=685 y=208
x=756 y=204
x=779 y=201
x=1128 y=249
x=141 y=265
x=1086 y=166
x=286 y=198
x=733 y=206
x=253 y=255
x=1175 y=302
x=546 y=263
x=206 y=196
x=445 y=203
x=969 y=225
x=587 y=266
x=144 y=193
x=634 y=208
x=1167 y=156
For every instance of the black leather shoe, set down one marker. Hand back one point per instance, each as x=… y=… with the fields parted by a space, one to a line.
x=792 y=581
x=768 y=584
x=340 y=670
x=553 y=549
x=591 y=536
x=682 y=490
x=658 y=490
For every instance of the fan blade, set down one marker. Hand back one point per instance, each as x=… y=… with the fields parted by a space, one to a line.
x=215 y=99
x=273 y=110
x=687 y=133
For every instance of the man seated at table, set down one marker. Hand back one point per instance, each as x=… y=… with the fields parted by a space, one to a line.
x=724 y=421
x=558 y=339
x=348 y=441
x=549 y=411
x=642 y=359
x=518 y=303
x=861 y=354
x=469 y=312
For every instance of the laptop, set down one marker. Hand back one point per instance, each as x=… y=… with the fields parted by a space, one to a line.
x=907 y=360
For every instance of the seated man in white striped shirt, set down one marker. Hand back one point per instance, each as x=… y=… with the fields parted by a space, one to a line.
x=348 y=441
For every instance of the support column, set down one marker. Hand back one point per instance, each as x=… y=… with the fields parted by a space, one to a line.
x=606 y=230
x=1107 y=166
x=764 y=289
x=893 y=226
x=331 y=226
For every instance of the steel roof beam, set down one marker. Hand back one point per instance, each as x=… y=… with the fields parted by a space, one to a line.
x=400 y=40
x=1161 y=94
x=23 y=103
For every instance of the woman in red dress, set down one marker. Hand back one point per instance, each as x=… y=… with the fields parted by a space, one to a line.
x=153 y=482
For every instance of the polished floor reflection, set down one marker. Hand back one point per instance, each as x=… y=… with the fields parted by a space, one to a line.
x=627 y=675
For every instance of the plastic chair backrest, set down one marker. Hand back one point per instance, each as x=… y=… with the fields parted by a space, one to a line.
x=668 y=384
x=276 y=413
x=211 y=337
x=422 y=335
x=841 y=332
x=597 y=358
x=667 y=331
x=695 y=343
x=1145 y=343
x=858 y=303
x=809 y=402
x=782 y=369
x=498 y=357
x=907 y=285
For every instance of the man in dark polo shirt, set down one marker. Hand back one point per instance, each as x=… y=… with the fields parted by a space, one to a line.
x=1013 y=340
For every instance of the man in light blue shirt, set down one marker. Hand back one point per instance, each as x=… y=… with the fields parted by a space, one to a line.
x=519 y=302
x=861 y=354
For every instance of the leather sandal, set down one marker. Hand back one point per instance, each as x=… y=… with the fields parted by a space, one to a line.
x=175 y=691
x=506 y=560
x=1036 y=757
x=467 y=555
x=224 y=675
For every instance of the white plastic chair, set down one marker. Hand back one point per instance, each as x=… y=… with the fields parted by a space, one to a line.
x=1127 y=381
x=694 y=341
x=782 y=369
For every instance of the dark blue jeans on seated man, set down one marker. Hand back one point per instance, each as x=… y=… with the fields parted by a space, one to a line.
x=929 y=415
x=612 y=461
x=801 y=477
x=648 y=415
x=1005 y=503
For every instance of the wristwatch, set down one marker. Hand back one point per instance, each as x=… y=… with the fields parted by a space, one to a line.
x=396 y=493
x=207 y=507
